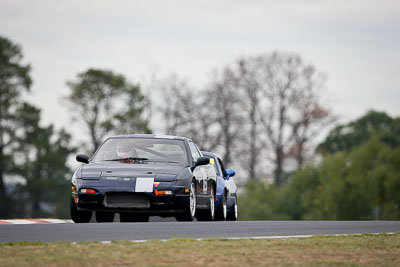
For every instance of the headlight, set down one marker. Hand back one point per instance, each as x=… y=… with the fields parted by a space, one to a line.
x=185 y=173
x=73 y=179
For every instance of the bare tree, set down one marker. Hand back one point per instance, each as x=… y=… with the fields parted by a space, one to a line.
x=309 y=116
x=168 y=105
x=239 y=92
x=186 y=111
x=207 y=116
x=224 y=101
x=291 y=109
x=265 y=109
x=249 y=85
x=279 y=77
x=178 y=106
x=206 y=136
x=280 y=101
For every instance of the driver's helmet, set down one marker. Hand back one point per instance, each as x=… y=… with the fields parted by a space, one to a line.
x=124 y=151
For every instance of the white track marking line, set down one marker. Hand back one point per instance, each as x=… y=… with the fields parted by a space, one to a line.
x=20 y=221
x=270 y=237
x=254 y=237
x=56 y=221
x=33 y=221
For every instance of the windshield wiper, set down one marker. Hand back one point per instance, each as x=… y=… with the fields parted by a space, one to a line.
x=141 y=160
x=129 y=159
x=167 y=161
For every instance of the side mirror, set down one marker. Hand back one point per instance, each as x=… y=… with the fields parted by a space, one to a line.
x=229 y=173
x=82 y=158
x=202 y=161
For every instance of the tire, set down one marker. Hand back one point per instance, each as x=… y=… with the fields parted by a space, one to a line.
x=209 y=213
x=190 y=211
x=103 y=216
x=222 y=209
x=233 y=214
x=133 y=217
x=78 y=216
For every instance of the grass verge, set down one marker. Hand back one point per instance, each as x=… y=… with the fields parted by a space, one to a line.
x=353 y=250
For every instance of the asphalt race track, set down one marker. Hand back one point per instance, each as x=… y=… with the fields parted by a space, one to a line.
x=165 y=230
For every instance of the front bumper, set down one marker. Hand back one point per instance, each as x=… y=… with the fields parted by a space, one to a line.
x=151 y=203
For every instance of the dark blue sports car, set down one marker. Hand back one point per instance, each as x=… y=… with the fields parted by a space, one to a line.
x=141 y=175
x=226 y=198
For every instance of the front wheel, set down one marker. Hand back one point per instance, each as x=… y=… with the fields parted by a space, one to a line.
x=78 y=216
x=222 y=208
x=208 y=214
x=233 y=214
x=190 y=211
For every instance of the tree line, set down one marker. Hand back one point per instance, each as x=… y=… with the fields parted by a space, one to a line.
x=358 y=178
x=33 y=170
x=261 y=114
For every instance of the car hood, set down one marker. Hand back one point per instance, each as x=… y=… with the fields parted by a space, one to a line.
x=94 y=171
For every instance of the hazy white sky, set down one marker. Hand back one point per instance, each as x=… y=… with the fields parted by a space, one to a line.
x=355 y=42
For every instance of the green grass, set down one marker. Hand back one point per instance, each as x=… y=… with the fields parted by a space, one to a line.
x=353 y=250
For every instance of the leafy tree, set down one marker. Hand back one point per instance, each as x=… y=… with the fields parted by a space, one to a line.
x=105 y=101
x=360 y=184
x=32 y=157
x=352 y=134
x=302 y=194
x=129 y=119
x=262 y=201
x=14 y=79
x=42 y=155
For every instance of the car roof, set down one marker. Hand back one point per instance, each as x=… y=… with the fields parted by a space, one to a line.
x=205 y=153
x=150 y=136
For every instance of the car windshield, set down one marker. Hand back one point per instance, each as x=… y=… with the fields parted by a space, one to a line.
x=142 y=150
x=214 y=164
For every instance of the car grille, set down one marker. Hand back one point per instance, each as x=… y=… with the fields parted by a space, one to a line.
x=88 y=198
x=126 y=200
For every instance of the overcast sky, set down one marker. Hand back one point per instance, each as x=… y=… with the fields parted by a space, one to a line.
x=355 y=42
